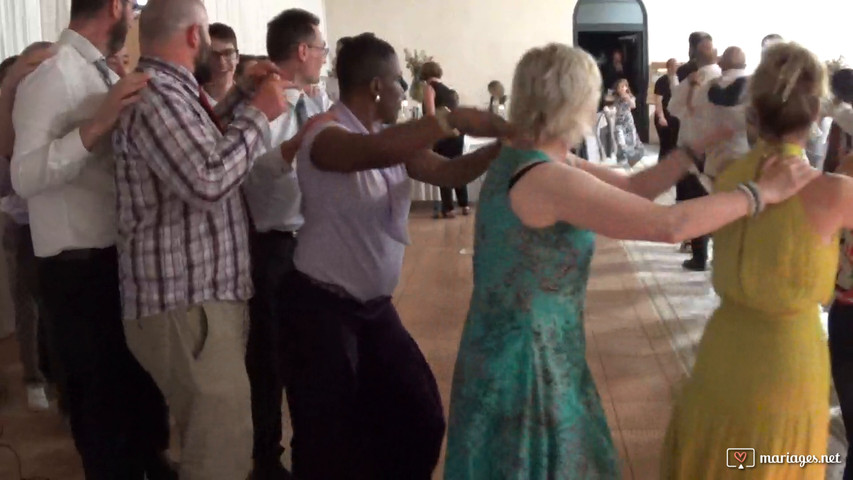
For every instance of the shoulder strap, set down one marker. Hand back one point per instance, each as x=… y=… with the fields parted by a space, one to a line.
x=523 y=171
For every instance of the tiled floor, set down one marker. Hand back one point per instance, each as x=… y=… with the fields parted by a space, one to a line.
x=630 y=335
x=628 y=351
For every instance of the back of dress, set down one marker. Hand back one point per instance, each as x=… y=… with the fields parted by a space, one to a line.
x=774 y=263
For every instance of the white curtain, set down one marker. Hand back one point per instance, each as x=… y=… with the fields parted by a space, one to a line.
x=55 y=15
x=20 y=25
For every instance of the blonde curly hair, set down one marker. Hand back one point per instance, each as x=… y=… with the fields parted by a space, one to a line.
x=787 y=89
x=555 y=92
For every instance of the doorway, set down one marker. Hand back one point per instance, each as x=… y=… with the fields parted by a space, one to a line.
x=606 y=26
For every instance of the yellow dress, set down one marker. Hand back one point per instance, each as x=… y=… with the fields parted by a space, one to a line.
x=761 y=378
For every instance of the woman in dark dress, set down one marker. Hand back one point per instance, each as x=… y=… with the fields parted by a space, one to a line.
x=437 y=96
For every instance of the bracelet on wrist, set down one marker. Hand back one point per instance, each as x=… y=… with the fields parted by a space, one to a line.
x=442 y=116
x=760 y=205
x=752 y=192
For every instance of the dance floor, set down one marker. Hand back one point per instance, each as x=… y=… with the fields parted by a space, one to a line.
x=636 y=353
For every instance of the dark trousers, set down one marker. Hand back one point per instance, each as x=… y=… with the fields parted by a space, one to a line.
x=447 y=198
x=118 y=416
x=692 y=188
x=23 y=280
x=667 y=135
x=272 y=260
x=363 y=400
x=841 y=358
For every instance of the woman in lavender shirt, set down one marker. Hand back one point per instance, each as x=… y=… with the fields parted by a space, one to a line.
x=363 y=400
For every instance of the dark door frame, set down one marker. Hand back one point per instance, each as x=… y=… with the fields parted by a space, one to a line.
x=642 y=95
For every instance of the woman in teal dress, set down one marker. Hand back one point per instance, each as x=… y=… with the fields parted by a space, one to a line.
x=524 y=404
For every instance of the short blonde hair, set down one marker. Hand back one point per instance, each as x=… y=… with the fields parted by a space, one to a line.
x=787 y=89
x=555 y=91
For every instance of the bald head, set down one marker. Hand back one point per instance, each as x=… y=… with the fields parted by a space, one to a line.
x=733 y=59
x=162 y=19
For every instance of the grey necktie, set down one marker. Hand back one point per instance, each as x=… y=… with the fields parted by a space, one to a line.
x=104 y=70
x=301 y=112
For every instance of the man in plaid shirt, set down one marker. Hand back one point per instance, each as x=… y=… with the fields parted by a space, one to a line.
x=183 y=235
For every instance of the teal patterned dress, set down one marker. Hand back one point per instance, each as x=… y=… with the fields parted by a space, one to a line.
x=524 y=404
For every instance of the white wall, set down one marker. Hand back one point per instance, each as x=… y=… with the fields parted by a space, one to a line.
x=479 y=40
x=820 y=25
x=475 y=41
x=249 y=18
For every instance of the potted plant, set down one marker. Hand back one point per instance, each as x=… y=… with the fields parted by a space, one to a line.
x=414 y=61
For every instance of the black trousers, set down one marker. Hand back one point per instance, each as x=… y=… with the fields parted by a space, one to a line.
x=667 y=135
x=447 y=197
x=841 y=358
x=452 y=148
x=692 y=188
x=272 y=261
x=119 y=418
x=363 y=400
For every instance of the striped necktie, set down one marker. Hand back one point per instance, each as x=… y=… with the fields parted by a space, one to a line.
x=104 y=70
x=301 y=112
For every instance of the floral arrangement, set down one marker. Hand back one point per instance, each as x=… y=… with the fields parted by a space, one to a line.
x=414 y=61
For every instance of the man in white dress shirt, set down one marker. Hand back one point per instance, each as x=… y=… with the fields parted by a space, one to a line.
x=63 y=166
x=692 y=128
x=296 y=45
x=719 y=155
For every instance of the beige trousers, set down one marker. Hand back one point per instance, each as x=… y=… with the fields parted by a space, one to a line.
x=197 y=358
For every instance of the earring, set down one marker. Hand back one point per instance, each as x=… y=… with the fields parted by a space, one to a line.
x=377 y=99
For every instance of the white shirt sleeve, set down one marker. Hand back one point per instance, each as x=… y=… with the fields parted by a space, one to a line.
x=41 y=159
x=678 y=102
x=842 y=114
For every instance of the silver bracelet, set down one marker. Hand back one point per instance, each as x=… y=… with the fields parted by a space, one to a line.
x=756 y=192
x=753 y=202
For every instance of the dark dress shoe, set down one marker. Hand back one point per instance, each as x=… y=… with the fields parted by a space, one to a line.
x=694 y=265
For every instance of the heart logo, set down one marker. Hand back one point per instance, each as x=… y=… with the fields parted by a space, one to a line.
x=740 y=456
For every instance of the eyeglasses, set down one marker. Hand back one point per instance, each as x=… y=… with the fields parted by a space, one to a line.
x=323 y=48
x=230 y=54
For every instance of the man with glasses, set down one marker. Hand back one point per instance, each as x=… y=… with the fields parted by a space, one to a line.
x=223 y=61
x=296 y=45
x=63 y=167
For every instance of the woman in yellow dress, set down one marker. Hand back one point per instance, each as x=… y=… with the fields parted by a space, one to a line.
x=760 y=385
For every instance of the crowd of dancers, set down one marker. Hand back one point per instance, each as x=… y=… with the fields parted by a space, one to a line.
x=194 y=253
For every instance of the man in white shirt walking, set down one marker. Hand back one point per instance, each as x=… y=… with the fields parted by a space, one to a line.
x=63 y=167
x=691 y=131
x=296 y=45
x=733 y=118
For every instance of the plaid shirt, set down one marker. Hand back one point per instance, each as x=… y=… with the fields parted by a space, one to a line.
x=183 y=227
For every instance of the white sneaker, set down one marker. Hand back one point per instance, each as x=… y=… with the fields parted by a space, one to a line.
x=37 y=399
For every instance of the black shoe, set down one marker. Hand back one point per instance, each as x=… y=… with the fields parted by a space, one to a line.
x=276 y=472
x=694 y=265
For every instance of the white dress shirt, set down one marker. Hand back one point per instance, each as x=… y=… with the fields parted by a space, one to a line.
x=721 y=154
x=693 y=125
x=272 y=189
x=841 y=114
x=69 y=190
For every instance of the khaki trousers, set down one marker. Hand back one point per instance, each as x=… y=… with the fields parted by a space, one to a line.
x=197 y=358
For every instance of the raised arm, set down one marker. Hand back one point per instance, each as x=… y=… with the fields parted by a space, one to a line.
x=338 y=150
x=197 y=163
x=429 y=100
x=44 y=159
x=728 y=96
x=430 y=167
x=555 y=192
x=651 y=182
